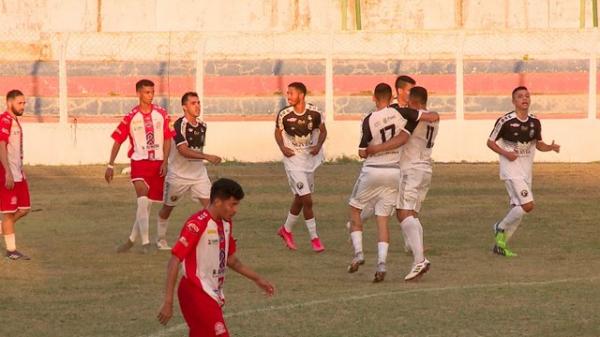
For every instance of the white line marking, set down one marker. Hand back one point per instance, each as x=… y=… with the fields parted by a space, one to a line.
x=168 y=331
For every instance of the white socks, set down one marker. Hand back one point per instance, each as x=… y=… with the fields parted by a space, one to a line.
x=311 y=224
x=511 y=221
x=161 y=228
x=356 y=237
x=142 y=219
x=382 y=251
x=9 y=239
x=290 y=221
x=413 y=230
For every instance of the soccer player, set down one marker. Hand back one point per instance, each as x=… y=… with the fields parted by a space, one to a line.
x=14 y=191
x=147 y=128
x=186 y=171
x=515 y=137
x=416 y=166
x=205 y=248
x=300 y=133
x=378 y=181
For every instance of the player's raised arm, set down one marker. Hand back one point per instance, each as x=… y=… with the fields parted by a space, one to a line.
x=166 y=310
x=234 y=263
x=114 y=151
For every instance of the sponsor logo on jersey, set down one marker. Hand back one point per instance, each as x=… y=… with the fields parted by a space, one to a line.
x=514 y=125
x=192 y=227
x=299 y=185
x=211 y=231
x=184 y=241
x=293 y=119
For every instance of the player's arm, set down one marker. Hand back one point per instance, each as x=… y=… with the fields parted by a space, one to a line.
x=279 y=139
x=394 y=143
x=496 y=148
x=166 y=311
x=109 y=173
x=9 y=179
x=185 y=151
x=322 y=136
x=429 y=116
x=166 y=152
x=541 y=146
x=234 y=263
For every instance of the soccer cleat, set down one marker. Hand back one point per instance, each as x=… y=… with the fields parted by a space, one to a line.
x=317 y=245
x=16 y=255
x=500 y=239
x=146 y=248
x=503 y=251
x=357 y=261
x=418 y=270
x=287 y=237
x=380 y=273
x=162 y=244
x=125 y=247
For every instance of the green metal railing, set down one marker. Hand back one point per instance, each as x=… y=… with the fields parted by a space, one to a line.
x=357 y=14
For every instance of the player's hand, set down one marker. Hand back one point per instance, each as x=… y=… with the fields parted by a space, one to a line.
x=163 y=169
x=213 y=159
x=108 y=174
x=266 y=286
x=287 y=151
x=511 y=156
x=555 y=147
x=165 y=313
x=314 y=150
x=9 y=180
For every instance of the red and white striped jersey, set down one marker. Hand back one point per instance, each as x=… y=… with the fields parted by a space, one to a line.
x=12 y=133
x=203 y=247
x=147 y=133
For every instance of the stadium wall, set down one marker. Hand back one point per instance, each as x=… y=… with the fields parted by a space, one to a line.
x=80 y=80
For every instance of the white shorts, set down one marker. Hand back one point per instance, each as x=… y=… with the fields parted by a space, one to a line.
x=175 y=189
x=301 y=183
x=376 y=187
x=414 y=185
x=519 y=191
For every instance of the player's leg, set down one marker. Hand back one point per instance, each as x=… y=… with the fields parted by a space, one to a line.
x=141 y=214
x=285 y=230
x=14 y=204
x=356 y=235
x=202 y=314
x=311 y=223
x=521 y=200
x=383 y=243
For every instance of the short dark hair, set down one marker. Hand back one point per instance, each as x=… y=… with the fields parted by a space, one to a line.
x=403 y=80
x=187 y=96
x=298 y=86
x=382 y=92
x=143 y=83
x=13 y=94
x=224 y=189
x=521 y=87
x=419 y=93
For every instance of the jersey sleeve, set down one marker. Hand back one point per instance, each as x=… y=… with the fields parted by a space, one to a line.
x=412 y=117
x=179 y=137
x=122 y=131
x=279 y=120
x=168 y=131
x=366 y=135
x=497 y=131
x=5 y=125
x=318 y=119
x=188 y=239
x=538 y=131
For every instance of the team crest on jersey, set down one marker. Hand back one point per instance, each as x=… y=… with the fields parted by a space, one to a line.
x=13 y=200
x=531 y=124
x=174 y=198
x=524 y=193
x=300 y=185
x=220 y=328
x=531 y=133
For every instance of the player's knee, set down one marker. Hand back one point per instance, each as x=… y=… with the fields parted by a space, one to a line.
x=24 y=212
x=307 y=203
x=528 y=207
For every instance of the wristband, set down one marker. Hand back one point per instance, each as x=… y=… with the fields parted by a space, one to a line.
x=110 y=166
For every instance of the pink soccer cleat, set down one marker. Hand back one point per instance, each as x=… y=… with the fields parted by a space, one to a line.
x=317 y=246
x=287 y=237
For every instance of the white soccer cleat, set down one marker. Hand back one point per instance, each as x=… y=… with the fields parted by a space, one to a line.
x=162 y=245
x=418 y=270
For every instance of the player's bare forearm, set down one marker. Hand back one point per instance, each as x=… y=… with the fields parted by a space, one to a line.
x=542 y=146
x=114 y=151
x=166 y=149
x=172 y=272
x=279 y=138
x=394 y=143
x=430 y=116
x=4 y=156
x=496 y=148
x=322 y=135
x=234 y=263
x=185 y=151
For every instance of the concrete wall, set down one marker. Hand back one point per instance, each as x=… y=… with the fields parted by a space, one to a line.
x=77 y=63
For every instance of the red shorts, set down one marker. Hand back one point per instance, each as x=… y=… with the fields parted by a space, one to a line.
x=201 y=312
x=15 y=199
x=148 y=171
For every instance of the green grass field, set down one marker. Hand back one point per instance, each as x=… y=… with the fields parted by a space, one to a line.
x=76 y=285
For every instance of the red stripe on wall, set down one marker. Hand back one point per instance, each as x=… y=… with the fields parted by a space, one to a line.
x=362 y=84
x=39 y=86
x=260 y=85
x=91 y=86
x=538 y=83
